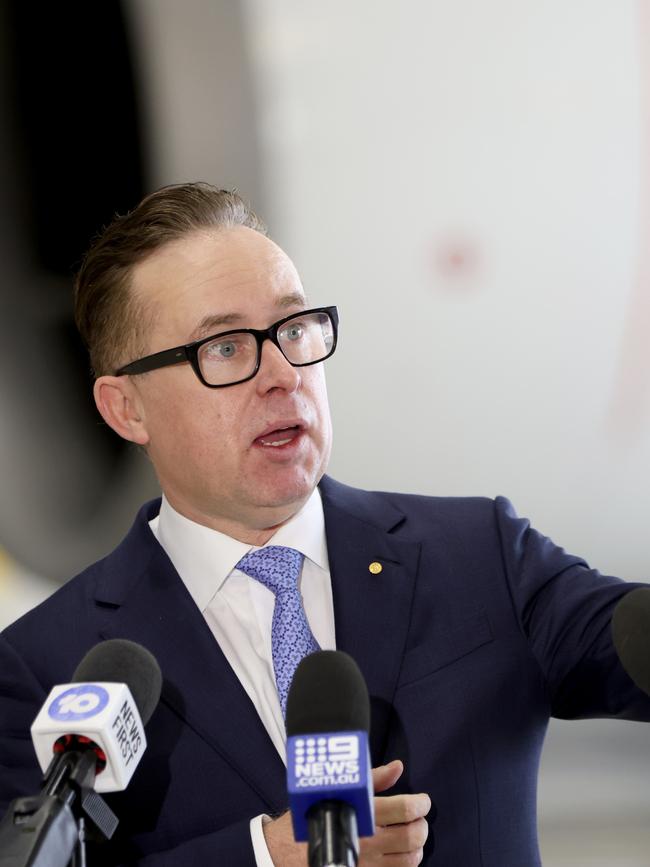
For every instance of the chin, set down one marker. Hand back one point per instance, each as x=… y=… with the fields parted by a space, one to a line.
x=293 y=489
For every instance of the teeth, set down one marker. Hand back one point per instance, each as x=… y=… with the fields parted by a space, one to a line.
x=277 y=443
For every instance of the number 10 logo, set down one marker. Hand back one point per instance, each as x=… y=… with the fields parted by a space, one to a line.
x=78 y=703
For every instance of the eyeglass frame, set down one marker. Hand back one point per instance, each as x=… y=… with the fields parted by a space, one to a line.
x=189 y=352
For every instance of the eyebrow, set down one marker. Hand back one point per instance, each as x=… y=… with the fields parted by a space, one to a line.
x=212 y=321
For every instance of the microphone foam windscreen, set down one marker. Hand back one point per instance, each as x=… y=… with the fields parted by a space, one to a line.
x=328 y=694
x=631 y=634
x=121 y=661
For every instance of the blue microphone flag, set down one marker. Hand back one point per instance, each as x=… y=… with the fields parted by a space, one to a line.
x=330 y=766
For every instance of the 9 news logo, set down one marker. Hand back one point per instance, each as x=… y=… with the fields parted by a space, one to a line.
x=78 y=703
x=329 y=760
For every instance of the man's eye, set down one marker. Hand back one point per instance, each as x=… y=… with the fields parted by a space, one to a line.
x=293 y=331
x=225 y=349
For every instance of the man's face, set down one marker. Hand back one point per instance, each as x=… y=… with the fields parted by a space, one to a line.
x=245 y=457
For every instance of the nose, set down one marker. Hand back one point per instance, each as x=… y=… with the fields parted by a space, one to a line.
x=275 y=371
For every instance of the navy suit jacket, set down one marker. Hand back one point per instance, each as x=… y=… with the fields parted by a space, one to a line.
x=476 y=630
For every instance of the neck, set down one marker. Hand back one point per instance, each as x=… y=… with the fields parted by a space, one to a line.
x=251 y=532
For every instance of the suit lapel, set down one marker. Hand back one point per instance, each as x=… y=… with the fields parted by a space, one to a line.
x=373 y=580
x=156 y=610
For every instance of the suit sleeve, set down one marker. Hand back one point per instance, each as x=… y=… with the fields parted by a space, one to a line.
x=565 y=609
x=21 y=696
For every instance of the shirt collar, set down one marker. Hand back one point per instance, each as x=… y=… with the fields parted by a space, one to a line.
x=204 y=558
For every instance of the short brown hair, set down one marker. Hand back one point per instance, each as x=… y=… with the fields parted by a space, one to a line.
x=110 y=320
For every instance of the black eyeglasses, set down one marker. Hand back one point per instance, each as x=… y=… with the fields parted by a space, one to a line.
x=232 y=357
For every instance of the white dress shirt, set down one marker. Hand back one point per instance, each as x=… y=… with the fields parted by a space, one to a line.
x=239 y=610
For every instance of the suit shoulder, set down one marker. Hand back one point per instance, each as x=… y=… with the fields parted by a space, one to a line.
x=455 y=505
x=65 y=624
x=57 y=611
x=457 y=511
x=343 y=493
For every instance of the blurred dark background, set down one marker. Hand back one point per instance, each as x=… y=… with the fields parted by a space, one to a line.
x=76 y=148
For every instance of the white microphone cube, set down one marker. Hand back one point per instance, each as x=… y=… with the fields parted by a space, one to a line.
x=106 y=714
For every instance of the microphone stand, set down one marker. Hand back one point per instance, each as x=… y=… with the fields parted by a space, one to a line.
x=333 y=835
x=49 y=829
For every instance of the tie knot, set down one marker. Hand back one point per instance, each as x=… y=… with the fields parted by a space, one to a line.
x=275 y=566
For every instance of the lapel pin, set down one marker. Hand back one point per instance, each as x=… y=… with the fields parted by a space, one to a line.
x=375 y=568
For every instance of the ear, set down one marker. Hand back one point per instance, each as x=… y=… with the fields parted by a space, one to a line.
x=121 y=408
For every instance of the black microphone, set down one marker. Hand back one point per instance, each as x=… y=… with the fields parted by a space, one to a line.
x=88 y=737
x=329 y=777
x=119 y=660
x=631 y=635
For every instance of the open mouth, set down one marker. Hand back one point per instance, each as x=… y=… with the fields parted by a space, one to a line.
x=280 y=437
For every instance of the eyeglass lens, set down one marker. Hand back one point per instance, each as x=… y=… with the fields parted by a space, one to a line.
x=304 y=339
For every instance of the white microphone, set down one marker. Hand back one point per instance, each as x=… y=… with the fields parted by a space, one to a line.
x=96 y=713
x=89 y=738
x=101 y=717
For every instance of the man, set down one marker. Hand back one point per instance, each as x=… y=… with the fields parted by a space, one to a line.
x=470 y=628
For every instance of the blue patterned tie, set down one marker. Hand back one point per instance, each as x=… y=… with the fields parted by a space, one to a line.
x=278 y=568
